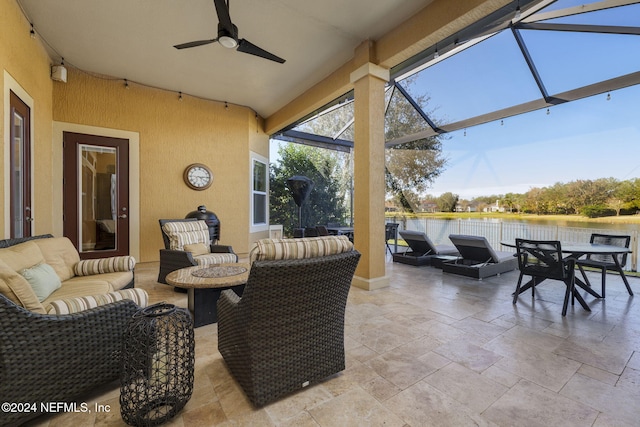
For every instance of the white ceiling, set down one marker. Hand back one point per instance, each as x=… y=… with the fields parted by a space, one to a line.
x=134 y=40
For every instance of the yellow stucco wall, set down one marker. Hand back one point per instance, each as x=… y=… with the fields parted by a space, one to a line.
x=171 y=134
x=25 y=69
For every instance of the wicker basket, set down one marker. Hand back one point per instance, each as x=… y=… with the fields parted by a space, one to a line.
x=157 y=365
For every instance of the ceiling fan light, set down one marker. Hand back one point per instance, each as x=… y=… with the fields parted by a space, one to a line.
x=228 y=42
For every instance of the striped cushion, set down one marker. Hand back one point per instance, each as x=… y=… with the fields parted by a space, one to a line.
x=186 y=233
x=75 y=305
x=115 y=264
x=310 y=247
x=215 y=258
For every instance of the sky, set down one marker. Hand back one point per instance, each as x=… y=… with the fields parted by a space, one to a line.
x=596 y=137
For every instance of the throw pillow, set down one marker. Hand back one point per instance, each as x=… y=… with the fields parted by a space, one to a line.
x=89 y=267
x=43 y=280
x=18 y=290
x=76 y=305
x=308 y=247
x=197 y=249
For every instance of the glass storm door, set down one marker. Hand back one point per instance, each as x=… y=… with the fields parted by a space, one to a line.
x=20 y=167
x=96 y=214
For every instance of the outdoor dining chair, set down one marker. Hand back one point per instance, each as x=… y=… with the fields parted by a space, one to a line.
x=391 y=233
x=542 y=259
x=605 y=262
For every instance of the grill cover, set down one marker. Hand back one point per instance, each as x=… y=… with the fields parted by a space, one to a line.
x=210 y=218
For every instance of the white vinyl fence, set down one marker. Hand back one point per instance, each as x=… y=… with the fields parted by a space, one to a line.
x=496 y=232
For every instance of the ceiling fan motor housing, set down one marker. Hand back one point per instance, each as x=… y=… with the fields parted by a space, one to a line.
x=227 y=39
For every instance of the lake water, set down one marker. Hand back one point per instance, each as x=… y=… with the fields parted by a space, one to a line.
x=578 y=224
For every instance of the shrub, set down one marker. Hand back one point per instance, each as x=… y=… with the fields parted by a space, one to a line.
x=597 y=211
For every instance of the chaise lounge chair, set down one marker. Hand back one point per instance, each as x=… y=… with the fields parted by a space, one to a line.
x=423 y=251
x=478 y=259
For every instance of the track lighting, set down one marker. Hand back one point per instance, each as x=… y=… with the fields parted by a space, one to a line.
x=126 y=84
x=179 y=96
x=548 y=112
x=436 y=54
x=226 y=106
x=609 y=97
x=32 y=33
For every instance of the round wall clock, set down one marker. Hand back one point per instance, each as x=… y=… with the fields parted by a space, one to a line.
x=198 y=177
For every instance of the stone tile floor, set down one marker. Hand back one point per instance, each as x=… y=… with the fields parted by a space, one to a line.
x=436 y=349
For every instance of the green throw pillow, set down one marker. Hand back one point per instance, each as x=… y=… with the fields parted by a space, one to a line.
x=43 y=279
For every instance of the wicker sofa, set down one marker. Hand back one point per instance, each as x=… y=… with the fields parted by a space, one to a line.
x=187 y=243
x=77 y=278
x=58 y=358
x=287 y=329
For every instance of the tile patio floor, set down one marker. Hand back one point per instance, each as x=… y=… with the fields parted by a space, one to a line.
x=437 y=349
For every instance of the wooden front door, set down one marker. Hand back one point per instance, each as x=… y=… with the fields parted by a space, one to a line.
x=96 y=194
x=21 y=216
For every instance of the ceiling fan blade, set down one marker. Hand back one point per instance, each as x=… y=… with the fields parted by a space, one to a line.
x=222 y=8
x=195 y=43
x=250 y=48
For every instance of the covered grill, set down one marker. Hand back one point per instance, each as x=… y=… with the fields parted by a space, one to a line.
x=210 y=218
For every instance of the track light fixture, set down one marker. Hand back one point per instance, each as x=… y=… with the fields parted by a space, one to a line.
x=179 y=96
x=126 y=84
x=226 y=106
x=32 y=33
x=609 y=96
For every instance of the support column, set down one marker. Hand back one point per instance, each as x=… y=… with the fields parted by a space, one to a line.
x=369 y=183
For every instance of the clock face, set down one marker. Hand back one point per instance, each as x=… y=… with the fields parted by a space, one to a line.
x=198 y=176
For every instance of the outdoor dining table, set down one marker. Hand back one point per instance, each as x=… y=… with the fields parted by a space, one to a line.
x=339 y=231
x=577 y=250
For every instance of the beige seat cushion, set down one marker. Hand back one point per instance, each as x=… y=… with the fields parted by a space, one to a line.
x=60 y=254
x=21 y=256
x=17 y=289
x=185 y=233
x=79 y=287
x=214 y=258
x=117 y=280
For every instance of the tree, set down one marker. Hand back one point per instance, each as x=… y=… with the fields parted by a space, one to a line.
x=411 y=166
x=447 y=202
x=326 y=202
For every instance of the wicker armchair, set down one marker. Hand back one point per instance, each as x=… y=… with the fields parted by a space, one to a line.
x=45 y=358
x=171 y=259
x=287 y=330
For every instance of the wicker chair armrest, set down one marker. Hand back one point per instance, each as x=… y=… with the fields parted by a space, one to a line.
x=58 y=358
x=172 y=260
x=221 y=249
x=232 y=331
x=16 y=320
x=229 y=299
x=182 y=258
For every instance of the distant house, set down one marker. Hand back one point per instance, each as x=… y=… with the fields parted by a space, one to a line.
x=466 y=208
x=495 y=207
x=428 y=206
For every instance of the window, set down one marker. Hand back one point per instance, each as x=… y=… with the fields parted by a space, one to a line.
x=259 y=191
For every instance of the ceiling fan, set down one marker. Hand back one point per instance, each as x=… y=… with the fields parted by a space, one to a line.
x=228 y=36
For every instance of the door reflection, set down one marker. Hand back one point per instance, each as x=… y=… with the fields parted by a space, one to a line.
x=98 y=200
